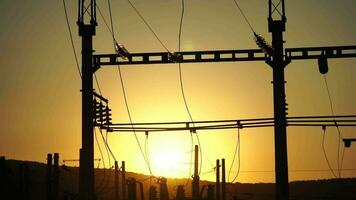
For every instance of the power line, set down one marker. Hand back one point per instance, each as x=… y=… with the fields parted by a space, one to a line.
x=73 y=48
x=337 y=128
x=243 y=14
x=183 y=93
x=71 y=38
x=103 y=180
x=325 y=155
x=147 y=24
x=238 y=147
x=123 y=87
x=260 y=41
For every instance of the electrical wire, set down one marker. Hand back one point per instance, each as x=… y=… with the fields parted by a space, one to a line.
x=260 y=41
x=147 y=24
x=73 y=48
x=342 y=160
x=71 y=38
x=103 y=180
x=123 y=88
x=337 y=127
x=183 y=94
x=111 y=24
x=130 y=118
x=237 y=150
x=243 y=14
x=325 y=155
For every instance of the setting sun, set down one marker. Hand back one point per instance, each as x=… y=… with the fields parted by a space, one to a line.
x=169 y=160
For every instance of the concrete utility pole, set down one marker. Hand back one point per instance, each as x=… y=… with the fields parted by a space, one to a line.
x=87 y=31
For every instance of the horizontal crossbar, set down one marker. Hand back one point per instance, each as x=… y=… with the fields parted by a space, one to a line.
x=222 y=56
x=321 y=121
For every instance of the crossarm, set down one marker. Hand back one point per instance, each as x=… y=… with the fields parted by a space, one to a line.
x=223 y=56
x=187 y=57
x=316 y=52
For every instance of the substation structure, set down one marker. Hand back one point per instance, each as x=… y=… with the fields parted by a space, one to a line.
x=277 y=59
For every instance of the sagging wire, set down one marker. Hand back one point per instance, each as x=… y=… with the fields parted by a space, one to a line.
x=342 y=160
x=185 y=99
x=147 y=153
x=123 y=86
x=337 y=127
x=259 y=40
x=71 y=38
x=105 y=188
x=103 y=180
x=325 y=155
x=238 y=153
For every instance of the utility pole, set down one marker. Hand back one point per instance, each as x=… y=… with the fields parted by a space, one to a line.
x=116 y=181
x=123 y=181
x=223 y=179
x=195 y=182
x=278 y=63
x=49 y=177
x=55 y=176
x=87 y=31
x=217 y=184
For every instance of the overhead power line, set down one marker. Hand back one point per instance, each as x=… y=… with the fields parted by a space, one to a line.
x=111 y=30
x=237 y=150
x=260 y=41
x=337 y=127
x=147 y=24
x=183 y=94
x=73 y=48
x=71 y=38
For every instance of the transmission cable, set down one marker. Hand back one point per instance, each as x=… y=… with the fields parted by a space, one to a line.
x=103 y=180
x=237 y=151
x=124 y=93
x=73 y=47
x=324 y=151
x=183 y=94
x=260 y=41
x=147 y=24
x=243 y=14
x=71 y=38
x=337 y=127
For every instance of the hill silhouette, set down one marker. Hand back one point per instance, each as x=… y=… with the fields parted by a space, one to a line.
x=14 y=185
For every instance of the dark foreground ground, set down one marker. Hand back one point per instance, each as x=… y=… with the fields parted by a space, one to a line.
x=17 y=184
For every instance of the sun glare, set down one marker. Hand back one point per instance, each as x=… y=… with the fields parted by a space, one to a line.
x=167 y=162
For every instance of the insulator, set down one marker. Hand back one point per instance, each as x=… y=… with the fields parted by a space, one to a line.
x=323 y=64
x=175 y=57
x=262 y=43
x=121 y=51
x=347 y=143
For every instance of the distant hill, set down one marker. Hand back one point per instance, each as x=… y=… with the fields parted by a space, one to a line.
x=13 y=187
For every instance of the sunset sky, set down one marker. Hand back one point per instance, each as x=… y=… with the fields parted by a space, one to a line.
x=40 y=95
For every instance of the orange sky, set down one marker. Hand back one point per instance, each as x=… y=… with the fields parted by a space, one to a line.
x=41 y=102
